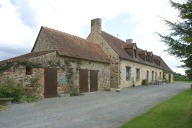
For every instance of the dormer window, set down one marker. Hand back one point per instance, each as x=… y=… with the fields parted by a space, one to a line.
x=151 y=58
x=131 y=49
x=134 y=53
x=159 y=63
x=145 y=58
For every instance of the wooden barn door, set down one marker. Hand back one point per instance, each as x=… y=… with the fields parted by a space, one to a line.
x=93 y=80
x=50 y=80
x=83 y=80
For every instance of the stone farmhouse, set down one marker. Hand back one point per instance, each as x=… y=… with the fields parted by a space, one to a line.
x=128 y=64
x=66 y=63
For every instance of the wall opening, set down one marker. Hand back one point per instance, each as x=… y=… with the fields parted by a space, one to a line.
x=28 y=70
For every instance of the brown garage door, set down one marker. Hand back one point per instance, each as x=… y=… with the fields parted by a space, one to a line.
x=93 y=80
x=83 y=80
x=50 y=89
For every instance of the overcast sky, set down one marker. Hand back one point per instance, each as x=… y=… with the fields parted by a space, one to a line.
x=20 y=22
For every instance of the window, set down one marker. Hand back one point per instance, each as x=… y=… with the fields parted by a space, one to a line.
x=135 y=53
x=128 y=73
x=145 y=58
x=137 y=74
x=159 y=63
x=151 y=58
x=28 y=71
x=152 y=75
x=147 y=76
x=160 y=75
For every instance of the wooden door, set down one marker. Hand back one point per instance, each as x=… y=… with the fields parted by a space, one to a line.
x=83 y=80
x=93 y=80
x=50 y=80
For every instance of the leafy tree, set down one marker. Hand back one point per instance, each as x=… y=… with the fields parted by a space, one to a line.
x=179 y=77
x=179 y=41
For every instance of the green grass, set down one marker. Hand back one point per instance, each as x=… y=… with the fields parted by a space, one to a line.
x=190 y=82
x=173 y=113
x=2 y=108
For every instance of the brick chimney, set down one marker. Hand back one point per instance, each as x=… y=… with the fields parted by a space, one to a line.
x=96 y=25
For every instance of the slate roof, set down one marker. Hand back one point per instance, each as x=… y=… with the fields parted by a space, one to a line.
x=26 y=56
x=73 y=46
x=119 y=46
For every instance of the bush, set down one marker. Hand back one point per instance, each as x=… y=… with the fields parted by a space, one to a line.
x=29 y=98
x=166 y=81
x=144 y=82
x=74 y=91
x=32 y=99
x=2 y=108
x=181 y=79
x=10 y=89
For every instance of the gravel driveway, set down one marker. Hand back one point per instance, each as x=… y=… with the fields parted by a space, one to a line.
x=92 y=110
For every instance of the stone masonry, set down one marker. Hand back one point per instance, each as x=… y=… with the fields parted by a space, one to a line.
x=143 y=73
x=18 y=72
x=95 y=37
x=118 y=65
x=55 y=60
x=75 y=64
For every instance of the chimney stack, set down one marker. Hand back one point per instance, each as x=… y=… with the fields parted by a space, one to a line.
x=129 y=40
x=96 y=25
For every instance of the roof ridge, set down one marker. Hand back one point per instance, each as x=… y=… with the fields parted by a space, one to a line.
x=118 y=46
x=75 y=46
x=70 y=34
x=114 y=37
x=128 y=43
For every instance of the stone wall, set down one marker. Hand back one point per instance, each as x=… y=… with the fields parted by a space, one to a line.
x=114 y=78
x=169 y=77
x=18 y=72
x=46 y=60
x=95 y=37
x=37 y=73
x=72 y=65
x=42 y=43
x=54 y=60
x=143 y=73
x=172 y=78
x=66 y=65
x=117 y=66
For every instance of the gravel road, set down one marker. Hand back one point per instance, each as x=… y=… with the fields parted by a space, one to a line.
x=92 y=110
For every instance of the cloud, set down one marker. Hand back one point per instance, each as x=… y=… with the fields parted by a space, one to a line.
x=14 y=34
x=7 y=52
x=179 y=70
x=21 y=20
x=25 y=12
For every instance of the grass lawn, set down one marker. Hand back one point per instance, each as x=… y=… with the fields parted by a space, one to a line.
x=2 y=108
x=190 y=82
x=172 y=113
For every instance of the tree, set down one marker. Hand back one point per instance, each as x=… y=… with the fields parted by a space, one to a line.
x=179 y=41
x=179 y=77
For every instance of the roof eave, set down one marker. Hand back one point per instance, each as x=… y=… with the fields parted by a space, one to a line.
x=100 y=61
